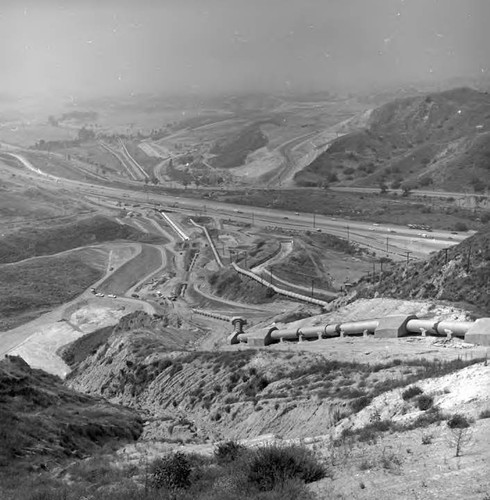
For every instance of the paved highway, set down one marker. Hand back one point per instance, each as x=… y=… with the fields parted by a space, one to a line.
x=414 y=192
x=387 y=240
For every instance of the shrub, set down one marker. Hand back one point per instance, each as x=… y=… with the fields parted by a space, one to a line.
x=485 y=413
x=171 y=471
x=431 y=416
x=460 y=226
x=366 y=465
x=272 y=466
x=411 y=392
x=390 y=461
x=360 y=403
x=427 y=438
x=228 y=451
x=458 y=421
x=424 y=402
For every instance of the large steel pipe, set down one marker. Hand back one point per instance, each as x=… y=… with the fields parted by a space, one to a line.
x=458 y=328
x=359 y=326
x=422 y=325
x=434 y=327
x=332 y=330
x=291 y=334
x=312 y=332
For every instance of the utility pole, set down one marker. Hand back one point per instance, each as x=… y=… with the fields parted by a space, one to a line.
x=312 y=286
x=314 y=213
x=348 y=234
x=408 y=256
x=387 y=240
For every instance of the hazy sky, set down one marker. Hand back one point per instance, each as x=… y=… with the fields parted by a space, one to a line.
x=114 y=46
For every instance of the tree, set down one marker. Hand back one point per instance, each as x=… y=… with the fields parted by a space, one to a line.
x=459 y=439
x=383 y=188
x=396 y=184
x=478 y=185
x=52 y=121
x=407 y=187
x=85 y=134
x=460 y=433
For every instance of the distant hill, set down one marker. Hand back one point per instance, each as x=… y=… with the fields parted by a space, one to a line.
x=42 y=418
x=31 y=242
x=458 y=274
x=233 y=151
x=434 y=141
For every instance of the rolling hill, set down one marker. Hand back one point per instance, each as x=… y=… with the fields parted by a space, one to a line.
x=437 y=141
x=42 y=419
x=458 y=274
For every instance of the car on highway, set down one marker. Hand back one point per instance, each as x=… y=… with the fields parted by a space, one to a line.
x=286 y=218
x=99 y=294
x=112 y=296
x=296 y=213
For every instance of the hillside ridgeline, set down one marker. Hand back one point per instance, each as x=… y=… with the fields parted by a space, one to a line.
x=437 y=141
x=459 y=274
x=42 y=419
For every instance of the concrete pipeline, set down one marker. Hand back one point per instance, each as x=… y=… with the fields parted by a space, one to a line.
x=209 y=314
x=211 y=243
x=280 y=291
x=174 y=226
x=476 y=332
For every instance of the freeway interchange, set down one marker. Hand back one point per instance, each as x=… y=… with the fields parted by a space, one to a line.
x=395 y=242
x=41 y=338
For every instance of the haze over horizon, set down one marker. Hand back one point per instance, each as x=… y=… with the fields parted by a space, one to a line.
x=91 y=48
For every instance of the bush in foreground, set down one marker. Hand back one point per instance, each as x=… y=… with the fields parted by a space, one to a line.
x=270 y=473
x=171 y=472
x=411 y=392
x=424 y=402
x=458 y=421
x=485 y=413
x=228 y=452
x=272 y=466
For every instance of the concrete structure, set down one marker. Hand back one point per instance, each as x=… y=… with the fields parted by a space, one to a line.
x=259 y=338
x=392 y=327
x=237 y=323
x=479 y=332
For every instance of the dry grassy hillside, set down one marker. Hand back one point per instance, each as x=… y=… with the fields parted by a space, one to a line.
x=439 y=140
x=233 y=151
x=42 y=419
x=459 y=274
x=54 y=238
x=194 y=396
